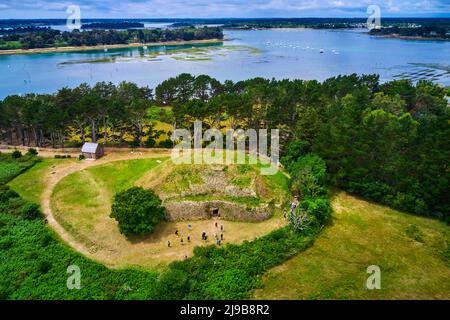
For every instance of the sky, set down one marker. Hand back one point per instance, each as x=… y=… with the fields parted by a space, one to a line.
x=10 y=9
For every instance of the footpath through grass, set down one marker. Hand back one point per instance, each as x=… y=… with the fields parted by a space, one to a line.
x=81 y=203
x=34 y=262
x=412 y=252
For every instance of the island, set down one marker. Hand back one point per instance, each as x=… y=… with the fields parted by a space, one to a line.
x=57 y=41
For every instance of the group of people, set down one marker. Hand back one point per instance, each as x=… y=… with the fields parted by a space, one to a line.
x=218 y=238
x=177 y=233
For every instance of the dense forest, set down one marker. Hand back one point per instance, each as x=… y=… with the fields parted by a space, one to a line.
x=48 y=38
x=427 y=31
x=22 y=30
x=112 y=25
x=385 y=141
x=243 y=23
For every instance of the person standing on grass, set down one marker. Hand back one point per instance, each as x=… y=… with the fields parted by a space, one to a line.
x=176 y=232
x=168 y=244
x=221 y=227
x=221 y=236
x=182 y=241
x=189 y=238
x=294 y=204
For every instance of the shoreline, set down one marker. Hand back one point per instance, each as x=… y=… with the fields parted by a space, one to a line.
x=108 y=46
x=419 y=38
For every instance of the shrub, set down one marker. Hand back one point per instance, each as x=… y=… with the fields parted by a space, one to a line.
x=32 y=152
x=137 y=210
x=414 y=233
x=81 y=157
x=165 y=144
x=44 y=266
x=308 y=176
x=30 y=211
x=16 y=154
x=6 y=193
x=319 y=208
x=150 y=143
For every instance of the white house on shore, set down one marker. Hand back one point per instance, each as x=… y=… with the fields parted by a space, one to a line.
x=92 y=150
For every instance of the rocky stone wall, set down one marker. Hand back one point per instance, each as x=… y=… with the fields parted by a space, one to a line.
x=200 y=210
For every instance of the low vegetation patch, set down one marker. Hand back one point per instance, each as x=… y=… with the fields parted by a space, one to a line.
x=34 y=263
x=13 y=164
x=414 y=233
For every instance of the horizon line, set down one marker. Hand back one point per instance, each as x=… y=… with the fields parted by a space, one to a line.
x=237 y=18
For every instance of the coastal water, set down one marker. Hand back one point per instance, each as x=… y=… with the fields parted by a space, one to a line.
x=293 y=54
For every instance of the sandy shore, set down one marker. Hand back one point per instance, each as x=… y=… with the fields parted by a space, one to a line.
x=109 y=46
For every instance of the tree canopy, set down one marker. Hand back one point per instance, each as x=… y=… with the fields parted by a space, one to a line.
x=49 y=38
x=385 y=141
x=138 y=211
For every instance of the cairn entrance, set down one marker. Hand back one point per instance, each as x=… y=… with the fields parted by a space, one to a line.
x=215 y=212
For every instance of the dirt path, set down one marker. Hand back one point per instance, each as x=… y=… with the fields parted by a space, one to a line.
x=59 y=172
x=102 y=242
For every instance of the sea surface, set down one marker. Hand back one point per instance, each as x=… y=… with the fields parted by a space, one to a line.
x=280 y=54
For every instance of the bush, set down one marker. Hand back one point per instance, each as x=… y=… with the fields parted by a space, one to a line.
x=414 y=233
x=6 y=193
x=81 y=157
x=319 y=208
x=16 y=154
x=32 y=152
x=308 y=176
x=30 y=211
x=165 y=144
x=137 y=210
x=150 y=143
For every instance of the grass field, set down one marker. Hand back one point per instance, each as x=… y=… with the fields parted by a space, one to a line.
x=31 y=185
x=412 y=252
x=81 y=203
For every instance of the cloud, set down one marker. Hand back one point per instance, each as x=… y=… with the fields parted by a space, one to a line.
x=220 y=8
